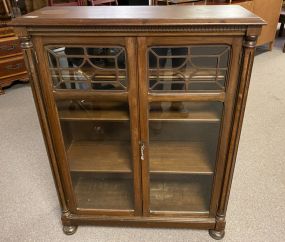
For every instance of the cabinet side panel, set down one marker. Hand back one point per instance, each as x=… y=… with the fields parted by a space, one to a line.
x=52 y=120
x=227 y=120
x=31 y=64
x=242 y=91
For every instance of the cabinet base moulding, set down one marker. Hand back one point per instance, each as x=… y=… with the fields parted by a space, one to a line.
x=136 y=221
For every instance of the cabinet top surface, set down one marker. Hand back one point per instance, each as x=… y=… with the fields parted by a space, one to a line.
x=139 y=15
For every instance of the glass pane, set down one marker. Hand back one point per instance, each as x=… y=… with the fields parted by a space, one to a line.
x=183 y=140
x=98 y=147
x=88 y=68
x=183 y=193
x=188 y=68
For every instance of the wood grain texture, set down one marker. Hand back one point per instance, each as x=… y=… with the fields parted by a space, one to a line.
x=31 y=65
x=245 y=74
x=170 y=177
x=270 y=12
x=9 y=47
x=139 y=15
x=12 y=66
x=133 y=90
x=57 y=142
x=143 y=221
x=230 y=99
x=100 y=156
x=180 y=158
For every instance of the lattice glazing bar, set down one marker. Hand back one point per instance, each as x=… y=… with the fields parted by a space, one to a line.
x=188 y=68
x=95 y=68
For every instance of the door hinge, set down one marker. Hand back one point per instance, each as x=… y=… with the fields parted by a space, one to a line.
x=142 y=150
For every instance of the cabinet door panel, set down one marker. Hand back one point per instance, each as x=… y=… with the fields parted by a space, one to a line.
x=183 y=142
x=87 y=67
x=96 y=133
x=188 y=68
x=185 y=137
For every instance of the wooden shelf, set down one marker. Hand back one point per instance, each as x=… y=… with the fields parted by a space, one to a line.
x=100 y=156
x=97 y=192
x=181 y=157
x=186 y=111
x=186 y=193
x=80 y=110
x=98 y=115
x=182 y=116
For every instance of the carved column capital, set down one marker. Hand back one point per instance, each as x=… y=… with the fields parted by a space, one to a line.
x=250 y=41
x=26 y=42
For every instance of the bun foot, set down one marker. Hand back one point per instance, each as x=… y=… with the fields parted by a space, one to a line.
x=217 y=234
x=69 y=230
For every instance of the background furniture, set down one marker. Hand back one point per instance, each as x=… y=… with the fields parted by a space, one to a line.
x=141 y=114
x=32 y=5
x=268 y=10
x=103 y=2
x=12 y=66
x=65 y=2
x=5 y=9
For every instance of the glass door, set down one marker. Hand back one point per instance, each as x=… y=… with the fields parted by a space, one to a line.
x=183 y=139
x=91 y=85
x=184 y=89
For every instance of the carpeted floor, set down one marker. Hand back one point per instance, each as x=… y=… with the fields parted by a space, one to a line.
x=29 y=209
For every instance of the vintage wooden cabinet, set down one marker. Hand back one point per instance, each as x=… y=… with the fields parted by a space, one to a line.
x=141 y=109
x=12 y=65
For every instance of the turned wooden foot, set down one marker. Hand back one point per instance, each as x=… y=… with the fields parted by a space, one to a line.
x=69 y=230
x=217 y=234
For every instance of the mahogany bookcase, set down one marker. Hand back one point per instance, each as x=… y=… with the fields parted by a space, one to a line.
x=141 y=109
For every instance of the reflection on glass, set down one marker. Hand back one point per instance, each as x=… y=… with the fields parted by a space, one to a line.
x=188 y=69
x=98 y=148
x=183 y=193
x=96 y=68
x=183 y=140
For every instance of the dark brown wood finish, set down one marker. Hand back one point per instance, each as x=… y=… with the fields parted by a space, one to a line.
x=12 y=65
x=139 y=15
x=122 y=96
x=137 y=29
x=31 y=64
x=52 y=119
